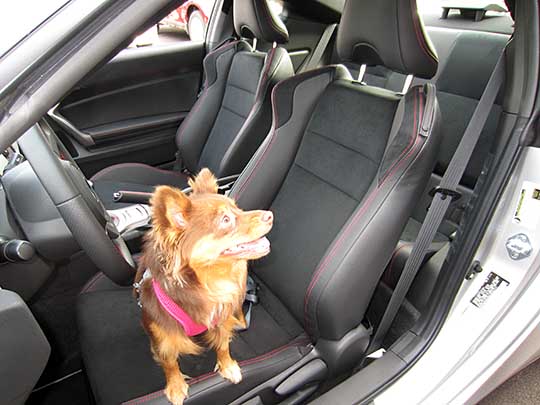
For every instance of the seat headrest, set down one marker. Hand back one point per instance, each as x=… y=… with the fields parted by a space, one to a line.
x=388 y=33
x=255 y=19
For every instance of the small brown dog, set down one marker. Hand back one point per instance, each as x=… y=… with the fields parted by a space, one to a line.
x=192 y=275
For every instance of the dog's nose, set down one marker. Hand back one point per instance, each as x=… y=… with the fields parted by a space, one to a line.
x=267 y=216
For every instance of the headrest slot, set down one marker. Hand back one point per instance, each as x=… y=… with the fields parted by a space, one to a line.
x=407 y=84
x=361 y=73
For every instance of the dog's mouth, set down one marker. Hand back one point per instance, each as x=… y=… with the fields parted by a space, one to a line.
x=257 y=248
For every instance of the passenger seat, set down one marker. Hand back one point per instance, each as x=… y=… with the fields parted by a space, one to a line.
x=232 y=115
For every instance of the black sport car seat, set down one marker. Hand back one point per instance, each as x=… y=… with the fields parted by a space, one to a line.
x=341 y=169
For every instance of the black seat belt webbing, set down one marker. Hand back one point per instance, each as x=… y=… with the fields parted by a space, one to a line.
x=441 y=201
x=250 y=299
x=318 y=52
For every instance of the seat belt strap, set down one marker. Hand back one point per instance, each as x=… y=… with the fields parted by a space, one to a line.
x=441 y=201
x=250 y=299
x=318 y=52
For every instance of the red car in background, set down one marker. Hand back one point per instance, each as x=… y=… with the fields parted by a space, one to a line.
x=191 y=16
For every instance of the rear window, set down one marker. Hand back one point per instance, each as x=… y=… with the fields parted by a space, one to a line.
x=479 y=15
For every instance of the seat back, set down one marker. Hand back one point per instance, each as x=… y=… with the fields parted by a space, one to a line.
x=466 y=60
x=341 y=169
x=232 y=114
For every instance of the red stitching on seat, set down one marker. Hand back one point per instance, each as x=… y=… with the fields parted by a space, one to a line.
x=106 y=170
x=392 y=168
x=198 y=103
x=145 y=398
x=89 y=284
x=272 y=134
x=265 y=75
x=247 y=362
x=420 y=36
x=268 y=145
x=387 y=276
x=203 y=377
x=262 y=85
x=323 y=266
x=221 y=48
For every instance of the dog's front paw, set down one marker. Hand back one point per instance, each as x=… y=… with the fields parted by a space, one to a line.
x=176 y=393
x=231 y=372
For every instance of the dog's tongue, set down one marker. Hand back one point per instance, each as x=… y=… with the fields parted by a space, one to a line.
x=260 y=245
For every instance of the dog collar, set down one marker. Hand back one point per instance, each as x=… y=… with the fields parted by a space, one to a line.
x=191 y=327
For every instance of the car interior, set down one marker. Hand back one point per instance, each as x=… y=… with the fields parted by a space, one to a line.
x=339 y=117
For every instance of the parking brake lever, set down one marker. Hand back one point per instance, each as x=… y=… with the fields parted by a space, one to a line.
x=131 y=197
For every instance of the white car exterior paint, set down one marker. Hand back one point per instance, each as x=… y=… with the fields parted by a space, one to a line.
x=475 y=342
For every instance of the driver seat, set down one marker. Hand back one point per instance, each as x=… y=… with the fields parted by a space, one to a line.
x=341 y=169
x=231 y=116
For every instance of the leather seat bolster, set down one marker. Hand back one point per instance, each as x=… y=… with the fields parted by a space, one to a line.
x=266 y=171
x=189 y=137
x=349 y=271
x=277 y=67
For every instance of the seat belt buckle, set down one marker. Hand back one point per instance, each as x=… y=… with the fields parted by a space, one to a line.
x=445 y=192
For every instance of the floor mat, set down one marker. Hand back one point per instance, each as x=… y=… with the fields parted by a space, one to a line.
x=54 y=309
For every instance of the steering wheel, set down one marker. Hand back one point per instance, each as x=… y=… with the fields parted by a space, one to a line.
x=77 y=203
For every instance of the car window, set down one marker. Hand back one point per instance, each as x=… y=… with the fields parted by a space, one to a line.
x=188 y=22
x=481 y=15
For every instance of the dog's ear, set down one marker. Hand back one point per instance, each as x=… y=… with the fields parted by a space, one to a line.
x=170 y=207
x=204 y=183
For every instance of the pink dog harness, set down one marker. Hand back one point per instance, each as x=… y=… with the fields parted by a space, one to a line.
x=173 y=309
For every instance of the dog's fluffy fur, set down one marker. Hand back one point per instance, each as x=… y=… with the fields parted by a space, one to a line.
x=198 y=250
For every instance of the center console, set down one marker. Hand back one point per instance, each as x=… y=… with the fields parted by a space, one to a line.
x=131 y=217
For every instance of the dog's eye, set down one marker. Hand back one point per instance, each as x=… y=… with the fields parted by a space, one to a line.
x=226 y=220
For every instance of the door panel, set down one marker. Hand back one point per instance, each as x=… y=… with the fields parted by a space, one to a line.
x=147 y=99
x=129 y=110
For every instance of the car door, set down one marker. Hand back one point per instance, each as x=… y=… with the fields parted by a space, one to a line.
x=129 y=109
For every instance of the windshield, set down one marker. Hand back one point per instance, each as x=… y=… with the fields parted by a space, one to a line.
x=20 y=18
